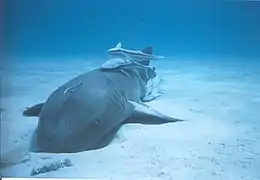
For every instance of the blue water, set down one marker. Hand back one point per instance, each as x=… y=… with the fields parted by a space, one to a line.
x=88 y=28
x=211 y=76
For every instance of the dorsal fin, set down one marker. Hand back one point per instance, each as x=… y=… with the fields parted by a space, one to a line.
x=119 y=45
x=148 y=50
x=33 y=111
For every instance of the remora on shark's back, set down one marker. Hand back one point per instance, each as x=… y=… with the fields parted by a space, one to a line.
x=121 y=56
x=146 y=53
x=86 y=112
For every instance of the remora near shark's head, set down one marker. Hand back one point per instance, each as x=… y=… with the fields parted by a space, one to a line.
x=86 y=112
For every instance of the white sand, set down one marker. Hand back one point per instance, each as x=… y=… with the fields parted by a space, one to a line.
x=220 y=140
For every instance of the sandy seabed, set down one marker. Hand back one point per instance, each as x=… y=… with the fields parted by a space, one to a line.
x=220 y=139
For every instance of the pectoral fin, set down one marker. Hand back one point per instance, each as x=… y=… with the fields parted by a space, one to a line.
x=144 y=115
x=33 y=111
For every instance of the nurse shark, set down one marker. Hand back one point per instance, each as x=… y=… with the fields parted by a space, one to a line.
x=86 y=112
